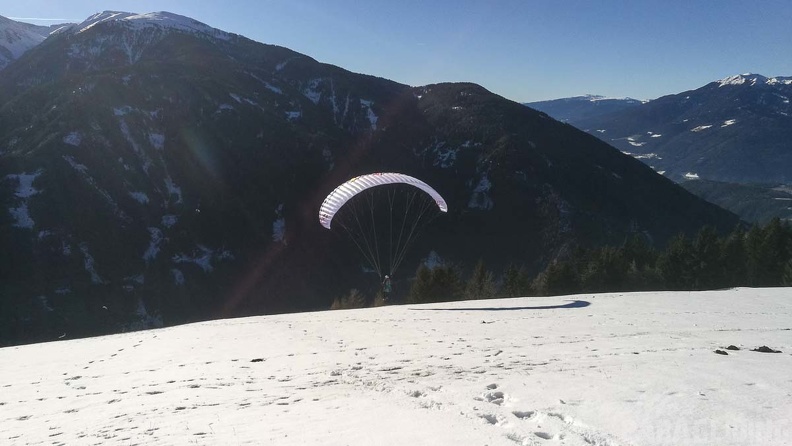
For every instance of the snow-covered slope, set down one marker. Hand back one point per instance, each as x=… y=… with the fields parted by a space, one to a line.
x=610 y=369
x=754 y=79
x=16 y=38
x=160 y=20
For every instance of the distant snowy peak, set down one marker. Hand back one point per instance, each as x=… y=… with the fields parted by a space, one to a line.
x=17 y=38
x=597 y=98
x=161 y=20
x=753 y=79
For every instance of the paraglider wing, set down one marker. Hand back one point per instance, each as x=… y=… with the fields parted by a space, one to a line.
x=346 y=191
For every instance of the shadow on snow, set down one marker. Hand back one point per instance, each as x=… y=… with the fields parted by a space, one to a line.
x=573 y=304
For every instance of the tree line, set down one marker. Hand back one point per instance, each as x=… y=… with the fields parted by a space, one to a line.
x=758 y=257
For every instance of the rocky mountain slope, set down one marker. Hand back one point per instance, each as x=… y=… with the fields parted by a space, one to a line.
x=156 y=170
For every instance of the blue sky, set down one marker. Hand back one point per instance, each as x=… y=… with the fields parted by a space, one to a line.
x=525 y=50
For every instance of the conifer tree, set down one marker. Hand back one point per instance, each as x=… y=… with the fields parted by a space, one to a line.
x=421 y=287
x=515 y=282
x=706 y=264
x=438 y=284
x=753 y=255
x=676 y=264
x=733 y=260
x=559 y=278
x=481 y=284
x=606 y=271
x=787 y=279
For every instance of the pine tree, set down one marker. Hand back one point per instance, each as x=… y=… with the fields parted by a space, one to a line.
x=753 y=254
x=676 y=264
x=606 y=271
x=787 y=279
x=557 y=278
x=637 y=250
x=734 y=260
x=481 y=284
x=438 y=284
x=706 y=265
x=421 y=287
x=515 y=282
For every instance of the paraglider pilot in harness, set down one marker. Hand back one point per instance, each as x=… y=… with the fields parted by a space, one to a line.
x=386 y=287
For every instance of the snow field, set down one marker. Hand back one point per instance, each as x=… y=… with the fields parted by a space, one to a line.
x=608 y=369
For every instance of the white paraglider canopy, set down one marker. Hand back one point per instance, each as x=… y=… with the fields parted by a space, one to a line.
x=346 y=191
x=382 y=213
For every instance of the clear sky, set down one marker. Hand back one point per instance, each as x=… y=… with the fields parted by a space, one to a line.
x=526 y=50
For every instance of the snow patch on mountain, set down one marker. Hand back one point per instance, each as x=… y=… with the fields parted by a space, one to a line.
x=480 y=198
x=140 y=197
x=643 y=155
x=372 y=117
x=73 y=139
x=155 y=241
x=202 y=256
x=700 y=128
x=21 y=216
x=267 y=85
x=446 y=156
x=144 y=158
x=82 y=168
x=169 y=220
x=90 y=265
x=178 y=276
x=157 y=140
x=24 y=190
x=173 y=189
x=224 y=107
x=25 y=181
x=311 y=91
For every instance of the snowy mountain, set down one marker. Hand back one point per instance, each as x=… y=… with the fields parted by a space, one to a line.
x=16 y=38
x=161 y=21
x=650 y=369
x=737 y=129
x=157 y=171
x=582 y=107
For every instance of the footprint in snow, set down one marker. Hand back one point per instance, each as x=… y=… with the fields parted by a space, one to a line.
x=524 y=415
x=494 y=397
x=490 y=418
